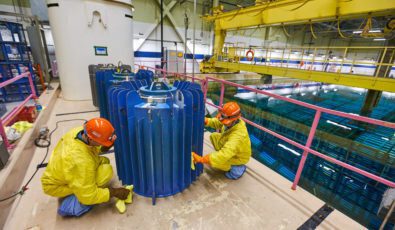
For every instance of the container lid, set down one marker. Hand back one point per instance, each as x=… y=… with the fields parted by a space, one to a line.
x=117 y=75
x=157 y=89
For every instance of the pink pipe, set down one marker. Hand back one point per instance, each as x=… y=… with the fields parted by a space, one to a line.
x=330 y=159
x=4 y=135
x=310 y=106
x=16 y=110
x=317 y=108
x=221 y=97
x=156 y=61
x=33 y=90
x=305 y=153
x=205 y=89
x=14 y=79
x=304 y=104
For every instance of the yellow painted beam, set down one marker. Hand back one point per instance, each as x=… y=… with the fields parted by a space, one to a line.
x=360 y=81
x=299 y=11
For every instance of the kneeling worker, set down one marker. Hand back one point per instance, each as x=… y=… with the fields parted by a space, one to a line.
x=76 y=170
x=232 y=145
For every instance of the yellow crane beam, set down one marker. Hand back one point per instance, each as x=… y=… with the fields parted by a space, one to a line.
x=360 y=81
x=278 y=12
x=299 y=11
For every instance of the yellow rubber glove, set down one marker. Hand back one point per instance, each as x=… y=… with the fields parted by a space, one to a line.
x=192 y=162
x=130 y=197
x=121 y=204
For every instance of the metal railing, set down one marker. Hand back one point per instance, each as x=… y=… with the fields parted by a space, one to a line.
x=306 y=147
x=326 y=59
x=14 y=112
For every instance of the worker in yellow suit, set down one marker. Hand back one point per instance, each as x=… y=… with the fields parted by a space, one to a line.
x=76 y=170
x=232 y=145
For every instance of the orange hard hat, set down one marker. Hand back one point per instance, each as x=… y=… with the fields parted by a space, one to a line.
x=101 y=131
x=229 y=113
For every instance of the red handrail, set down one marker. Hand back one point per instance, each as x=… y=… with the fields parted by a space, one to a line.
x=306 y=148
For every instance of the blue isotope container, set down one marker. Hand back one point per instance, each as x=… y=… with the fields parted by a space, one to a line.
x=158 y=127
x=163 y=158
x=104 y=80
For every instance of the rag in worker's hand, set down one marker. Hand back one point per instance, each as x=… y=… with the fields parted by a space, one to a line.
x=72 y=207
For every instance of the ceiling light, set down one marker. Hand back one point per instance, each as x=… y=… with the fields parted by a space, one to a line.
x=357 y=32
x=379 y=39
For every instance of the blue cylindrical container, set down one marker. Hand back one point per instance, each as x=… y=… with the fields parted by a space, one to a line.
x=104 y=80
x=158 y=126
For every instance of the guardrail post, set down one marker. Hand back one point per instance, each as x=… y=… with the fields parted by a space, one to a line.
x=221 y=97
x=4 y=135
x=289 y=57
x=305 y=153
x=282 y=58
x=313 y=60
x=343 y=59
x=388 y=64
x=301 y=59
x=205 y=89
x=163 y=73
x=381 y=62
x=33 y=90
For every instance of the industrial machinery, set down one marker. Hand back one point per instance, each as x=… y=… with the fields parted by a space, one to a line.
x=158 y=126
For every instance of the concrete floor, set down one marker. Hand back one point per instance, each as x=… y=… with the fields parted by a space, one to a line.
x=261 y=199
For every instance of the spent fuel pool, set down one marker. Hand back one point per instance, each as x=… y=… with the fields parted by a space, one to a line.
x=365 y=146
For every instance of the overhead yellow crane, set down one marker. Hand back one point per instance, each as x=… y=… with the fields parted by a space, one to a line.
x=287 y=12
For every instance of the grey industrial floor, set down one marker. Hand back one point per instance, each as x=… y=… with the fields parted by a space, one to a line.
x=261 y=199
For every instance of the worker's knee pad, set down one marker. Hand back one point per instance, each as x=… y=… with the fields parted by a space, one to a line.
x=104 y=175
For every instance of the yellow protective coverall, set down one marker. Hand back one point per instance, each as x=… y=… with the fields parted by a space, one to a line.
x=76 y=168
x=233 y=146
